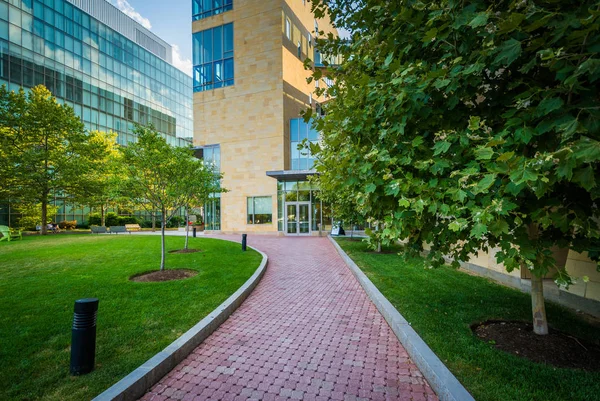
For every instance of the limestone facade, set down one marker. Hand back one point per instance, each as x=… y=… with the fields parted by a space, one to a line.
x=250 y=120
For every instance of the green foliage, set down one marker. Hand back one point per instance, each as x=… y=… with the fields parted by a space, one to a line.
x=44 y=147
x=164 y=178
x=467 y=125
x=112 y=219
x=31 y=215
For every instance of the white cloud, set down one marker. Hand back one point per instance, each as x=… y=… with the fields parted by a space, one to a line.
x=127 y=9
x=184 y=64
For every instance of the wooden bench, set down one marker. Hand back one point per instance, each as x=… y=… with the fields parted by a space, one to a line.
x=133 y=227
x=118 y=229
x=9 y=234
x=98 y=229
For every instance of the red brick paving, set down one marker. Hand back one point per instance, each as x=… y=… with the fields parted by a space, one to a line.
x=307 y=332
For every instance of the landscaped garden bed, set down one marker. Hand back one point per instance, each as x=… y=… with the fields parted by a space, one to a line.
x=41 y=277
x=443 y=304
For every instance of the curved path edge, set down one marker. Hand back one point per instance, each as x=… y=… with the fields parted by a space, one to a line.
x=135 y=384
x=444 y=383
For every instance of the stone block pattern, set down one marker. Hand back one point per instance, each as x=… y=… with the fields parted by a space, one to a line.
x=307 y=332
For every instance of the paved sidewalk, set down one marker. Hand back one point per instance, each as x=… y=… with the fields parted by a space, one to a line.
x=307 y=332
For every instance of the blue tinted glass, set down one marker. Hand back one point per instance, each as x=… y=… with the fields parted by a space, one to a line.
x=207 y=46
x=217 y=43
x=197 y=43
x=294 y=130
x=313 y=135
x=4 y=30
x=218 y=71
x=228 y=38
x=38 y=10
x=4 y=11
x=228 y=69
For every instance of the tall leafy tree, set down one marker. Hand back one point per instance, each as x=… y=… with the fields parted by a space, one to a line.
x=163 y=177
x=469 y=126
x=46 y=147
x=104 y=185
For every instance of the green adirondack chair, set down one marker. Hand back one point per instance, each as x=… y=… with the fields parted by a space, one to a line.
x=9 y=234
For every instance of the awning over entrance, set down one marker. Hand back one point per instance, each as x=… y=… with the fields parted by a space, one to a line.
x=291 y=175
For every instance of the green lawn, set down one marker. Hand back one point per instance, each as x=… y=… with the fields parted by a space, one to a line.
x=441 y=304
x=41 y=277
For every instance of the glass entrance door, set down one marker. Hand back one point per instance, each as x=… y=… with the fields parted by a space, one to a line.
x=297 y=221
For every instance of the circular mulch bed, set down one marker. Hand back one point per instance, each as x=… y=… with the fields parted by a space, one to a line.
x=186 y=251
x=165 y=275
x=556 y=349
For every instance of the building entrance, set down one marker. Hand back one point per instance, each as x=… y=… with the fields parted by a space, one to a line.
x=297 y=218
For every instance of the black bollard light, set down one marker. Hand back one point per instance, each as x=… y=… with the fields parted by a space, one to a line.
x=244 y=236
x=83 y=336
x=194 y=232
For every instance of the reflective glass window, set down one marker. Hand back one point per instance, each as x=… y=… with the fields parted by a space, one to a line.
x=213 y=58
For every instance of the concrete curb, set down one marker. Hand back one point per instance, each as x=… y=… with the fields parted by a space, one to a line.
x=443 y=382
x=137 y=383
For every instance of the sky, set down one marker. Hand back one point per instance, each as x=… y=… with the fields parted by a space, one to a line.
x=171 y=20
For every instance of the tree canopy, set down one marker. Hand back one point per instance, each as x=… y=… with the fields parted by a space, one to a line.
x=45 y=148
x=468 y=125
x=165 y=178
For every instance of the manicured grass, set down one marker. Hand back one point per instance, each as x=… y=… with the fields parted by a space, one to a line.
x=441 y=304
x=41 y=277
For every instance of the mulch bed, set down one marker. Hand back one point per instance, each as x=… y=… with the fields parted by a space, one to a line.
x=556 y=349
x=165 y=275
x=186 y=251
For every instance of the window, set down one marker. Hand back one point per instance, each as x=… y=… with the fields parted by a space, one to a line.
x=301 y=159
x=260 y=210
x=213 y=58
x=207 y=8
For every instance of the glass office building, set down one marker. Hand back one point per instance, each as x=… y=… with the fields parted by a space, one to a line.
x=94 y=58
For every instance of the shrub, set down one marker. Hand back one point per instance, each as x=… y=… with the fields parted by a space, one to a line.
x=146 y=224
x=94 y=219
x=128 y=220
x=68 y=224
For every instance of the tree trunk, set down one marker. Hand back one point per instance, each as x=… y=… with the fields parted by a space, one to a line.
x=163 y=223
x=538 y=308
x=379 y=247
x=187 y=229
x=102 y=221
x=44 y=214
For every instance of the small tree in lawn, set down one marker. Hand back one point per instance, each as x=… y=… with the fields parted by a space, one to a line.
x=161 y=177
x=470 y=126
x=45 y=146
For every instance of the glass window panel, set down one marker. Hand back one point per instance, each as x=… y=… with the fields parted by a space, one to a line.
x=228 y=69
x=4 y=30
x=14 y=34
x=207 y=46
x=250 y=206
x=294 y=129
x=14 y=16
x=4 y=11
x=313 y=134
x=228 y=38
x=217 y=43
x=27 y=40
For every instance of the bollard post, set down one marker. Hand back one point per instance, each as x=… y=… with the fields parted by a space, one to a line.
x=194 y=232
x=244 y=236
x=83 y=336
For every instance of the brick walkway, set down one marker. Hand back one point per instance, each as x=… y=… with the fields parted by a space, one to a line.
x=307 y=332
